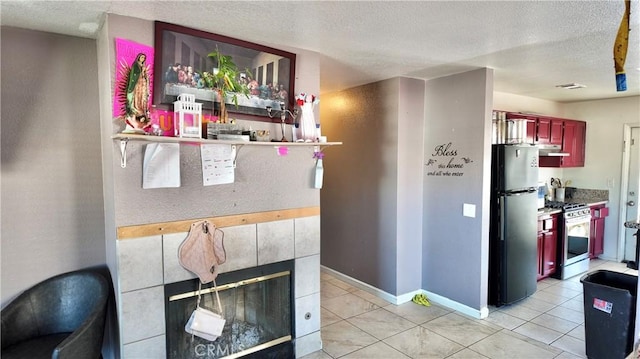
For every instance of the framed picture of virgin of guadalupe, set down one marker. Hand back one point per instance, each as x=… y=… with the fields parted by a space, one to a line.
x=185 y=62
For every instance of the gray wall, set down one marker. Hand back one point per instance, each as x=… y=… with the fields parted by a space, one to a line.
x=264 y=181
x=358 y=203
x=52 y=204
x=410 y=189
x=371 y=218
x=458 y=111
x=389 y=219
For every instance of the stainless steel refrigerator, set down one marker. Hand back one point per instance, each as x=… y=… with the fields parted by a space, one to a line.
x=513 y=233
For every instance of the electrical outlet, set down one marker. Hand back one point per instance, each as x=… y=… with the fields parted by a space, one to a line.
x=610 y=183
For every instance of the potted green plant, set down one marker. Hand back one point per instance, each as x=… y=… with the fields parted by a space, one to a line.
x=225 y=80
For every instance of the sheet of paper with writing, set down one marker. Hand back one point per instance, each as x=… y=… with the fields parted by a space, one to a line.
x=217 y=164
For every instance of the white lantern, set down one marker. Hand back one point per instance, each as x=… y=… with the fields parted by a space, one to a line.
x=188 y=117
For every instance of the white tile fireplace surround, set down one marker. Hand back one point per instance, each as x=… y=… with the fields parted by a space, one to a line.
x=146 y=264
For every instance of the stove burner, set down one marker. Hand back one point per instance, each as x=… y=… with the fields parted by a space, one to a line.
x=571 y=210
x=566 y=206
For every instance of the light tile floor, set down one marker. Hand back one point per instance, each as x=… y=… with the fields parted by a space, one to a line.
x=549 y=324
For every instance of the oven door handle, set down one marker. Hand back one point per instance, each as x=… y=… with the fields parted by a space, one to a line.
x=579 y=220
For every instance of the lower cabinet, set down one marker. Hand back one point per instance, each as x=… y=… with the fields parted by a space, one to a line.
x=547 y=245
x=596 y=240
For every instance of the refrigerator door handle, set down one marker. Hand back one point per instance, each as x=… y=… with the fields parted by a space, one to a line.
x=519 y=193
x=502 y=214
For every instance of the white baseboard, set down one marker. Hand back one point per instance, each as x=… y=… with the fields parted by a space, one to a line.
x=459 y=307
x=362 y=285
x=406 y=297
x=607 y=258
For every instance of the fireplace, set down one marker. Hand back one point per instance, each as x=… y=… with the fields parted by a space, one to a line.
x=258 y=307
x=148 y=266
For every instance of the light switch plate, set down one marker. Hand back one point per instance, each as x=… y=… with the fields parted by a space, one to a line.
x=610 y=183
x=469 y=210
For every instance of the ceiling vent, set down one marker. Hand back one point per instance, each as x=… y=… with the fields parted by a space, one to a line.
x=571 y=86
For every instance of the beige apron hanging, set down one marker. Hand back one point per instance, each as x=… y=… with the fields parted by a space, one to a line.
x=203 y=251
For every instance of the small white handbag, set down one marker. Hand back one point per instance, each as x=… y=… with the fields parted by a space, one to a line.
x=204 y=323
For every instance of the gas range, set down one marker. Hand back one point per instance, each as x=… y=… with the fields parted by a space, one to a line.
x=573 y=244
x=570 y=210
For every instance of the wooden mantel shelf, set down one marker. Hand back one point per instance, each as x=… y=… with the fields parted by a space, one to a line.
x=145 y=230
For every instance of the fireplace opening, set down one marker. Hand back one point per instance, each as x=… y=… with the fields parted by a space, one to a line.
x=257 y=304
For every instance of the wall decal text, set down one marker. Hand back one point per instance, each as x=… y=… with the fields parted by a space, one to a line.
x=445 y=162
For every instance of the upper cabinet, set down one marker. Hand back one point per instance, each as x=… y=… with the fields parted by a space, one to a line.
x=531 y=127
x=567 y=135
x=549 y=131
x=573 y=143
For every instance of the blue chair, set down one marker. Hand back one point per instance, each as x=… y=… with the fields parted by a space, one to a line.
x=60 y=317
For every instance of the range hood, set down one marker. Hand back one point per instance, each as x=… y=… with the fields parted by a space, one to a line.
x=552 y=151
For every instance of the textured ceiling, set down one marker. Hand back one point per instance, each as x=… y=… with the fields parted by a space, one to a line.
x=531 y=45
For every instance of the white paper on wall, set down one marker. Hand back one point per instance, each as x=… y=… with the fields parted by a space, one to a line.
x=161 y=168
x=217 y=164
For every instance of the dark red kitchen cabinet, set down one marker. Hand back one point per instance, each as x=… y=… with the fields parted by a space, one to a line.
x=579 y=142
x=596 y=240
x=550 y=242
x=568 y=144
x=573 y=142
x=547 y=245
x=567 y=134
x=549 y=131
x=540 y=254
x=597 y=235
x=544 y=131
x=532 y=131
x=556 y=131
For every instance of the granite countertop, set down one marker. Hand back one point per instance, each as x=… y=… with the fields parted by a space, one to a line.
x=632 y=224
x=592 y=197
